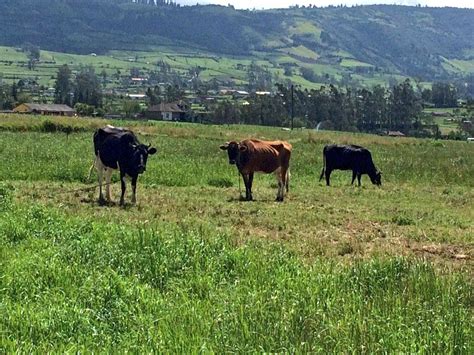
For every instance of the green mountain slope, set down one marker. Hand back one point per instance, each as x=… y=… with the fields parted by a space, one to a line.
x=431 y=43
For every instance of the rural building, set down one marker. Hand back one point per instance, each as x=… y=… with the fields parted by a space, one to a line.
x=45 y=109
x=173 y=111
x=137 y=96
x=240 y=94
x=395 y=134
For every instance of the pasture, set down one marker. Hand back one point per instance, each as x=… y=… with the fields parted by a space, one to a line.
x=14 y=65
x=191 y=268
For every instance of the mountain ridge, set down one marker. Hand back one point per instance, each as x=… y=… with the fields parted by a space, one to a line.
x=412 y=41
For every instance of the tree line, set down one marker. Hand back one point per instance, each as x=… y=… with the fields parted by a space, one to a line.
x=373 y=110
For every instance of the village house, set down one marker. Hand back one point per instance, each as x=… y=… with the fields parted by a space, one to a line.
x=395 y=134
x=45 y=109
x=173 y=111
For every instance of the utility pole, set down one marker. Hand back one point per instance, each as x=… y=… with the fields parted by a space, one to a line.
x=292 y=106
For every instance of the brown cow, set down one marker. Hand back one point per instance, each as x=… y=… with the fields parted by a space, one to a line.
x=253 y=155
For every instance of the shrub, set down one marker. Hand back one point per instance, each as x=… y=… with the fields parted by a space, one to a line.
x=6 y=197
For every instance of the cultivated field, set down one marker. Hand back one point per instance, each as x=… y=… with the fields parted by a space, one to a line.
x=191 y=268
x=14 y=65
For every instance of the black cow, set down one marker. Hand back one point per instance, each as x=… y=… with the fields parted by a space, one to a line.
x=349 y=157
x=118 y=148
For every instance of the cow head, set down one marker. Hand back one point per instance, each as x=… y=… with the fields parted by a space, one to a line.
x=139 y=156
x=377 y=178
x=233 y=150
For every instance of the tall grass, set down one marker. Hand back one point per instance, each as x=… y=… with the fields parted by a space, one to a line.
x=190 y=270
x=189 y=154
x=79 y=285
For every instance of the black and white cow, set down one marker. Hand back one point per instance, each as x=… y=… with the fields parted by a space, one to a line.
x=118 y=148
x=349 y=157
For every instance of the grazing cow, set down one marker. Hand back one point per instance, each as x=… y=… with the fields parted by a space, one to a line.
x=254 y=155
x=118 y=148
x=349 y=157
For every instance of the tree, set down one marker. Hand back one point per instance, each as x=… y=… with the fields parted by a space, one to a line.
x=87 y=89
x=153 y=96
x=444 y=95
x=63 y=86
x=309 y=74
x=405 y=106
x=14 y=91
x=371 y=109
x=84 y=109
x=226 y=112
x=259 y=78
x=6 y=100
x=130 y=108
x=173 y=93
x=33 y=55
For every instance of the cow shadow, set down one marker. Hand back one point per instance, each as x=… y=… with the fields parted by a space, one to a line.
x=243 y=199
x=105 y=203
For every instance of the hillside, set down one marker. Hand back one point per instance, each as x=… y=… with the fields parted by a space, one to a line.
x=430 y=43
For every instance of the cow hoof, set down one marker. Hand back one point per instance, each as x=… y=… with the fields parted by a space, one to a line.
x=102 y=202
x=279 y=199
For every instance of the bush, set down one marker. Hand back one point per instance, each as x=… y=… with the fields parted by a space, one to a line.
x=53 y=127
x=6 y=197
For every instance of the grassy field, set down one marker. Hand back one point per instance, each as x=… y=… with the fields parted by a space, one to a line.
x=14 y=65
x=191 y=268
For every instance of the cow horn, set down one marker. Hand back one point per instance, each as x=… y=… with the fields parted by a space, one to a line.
x=224 y=146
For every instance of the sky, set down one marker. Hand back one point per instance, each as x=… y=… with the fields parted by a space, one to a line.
x=269 y=4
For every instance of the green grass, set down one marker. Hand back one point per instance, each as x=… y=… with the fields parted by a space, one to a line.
x=347 y=62
x=14 y=65
x=301 y=51
x=191 y=268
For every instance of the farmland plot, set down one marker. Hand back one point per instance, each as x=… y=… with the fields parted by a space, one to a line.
x=192 y=268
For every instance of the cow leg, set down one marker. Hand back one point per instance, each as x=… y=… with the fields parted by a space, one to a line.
x=122 y=181
x=354 y=174
x=108 y=179
x=328 y=175
x=322 y=174
x=134 y=189
x=250 y=185
x=284 y=183
x=248 y=193
x=359 y=175
x=280 y=175
x=288 y=181
x=100 y=171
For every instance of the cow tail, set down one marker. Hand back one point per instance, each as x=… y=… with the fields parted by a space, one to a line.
x=91 y=168
x=324 y=166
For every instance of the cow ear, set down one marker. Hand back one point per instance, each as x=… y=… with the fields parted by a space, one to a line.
x=224 y=146
x=242 y=148
x=152 y=150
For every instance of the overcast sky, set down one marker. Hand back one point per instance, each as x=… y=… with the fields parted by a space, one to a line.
x=267 y=4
